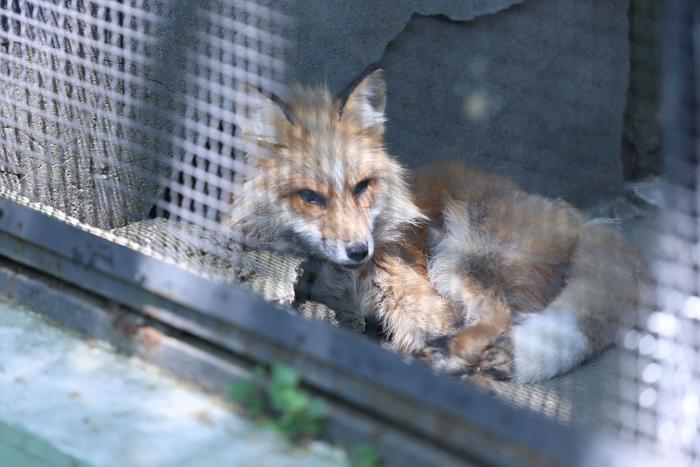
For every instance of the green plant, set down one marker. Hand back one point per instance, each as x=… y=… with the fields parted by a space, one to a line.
x=250 y=394
x=277 y=396
x=365 y=455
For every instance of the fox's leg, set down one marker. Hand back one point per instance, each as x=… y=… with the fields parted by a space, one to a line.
x=405 y=301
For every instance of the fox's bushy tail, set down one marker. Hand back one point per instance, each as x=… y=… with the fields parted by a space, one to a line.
x=602 y=287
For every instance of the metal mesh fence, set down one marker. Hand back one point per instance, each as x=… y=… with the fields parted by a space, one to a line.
x=116 y=113
x=124 y=118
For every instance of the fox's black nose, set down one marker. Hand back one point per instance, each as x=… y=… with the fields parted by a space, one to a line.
x=357 y=252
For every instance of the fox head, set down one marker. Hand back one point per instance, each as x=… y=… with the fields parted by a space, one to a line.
x=321 y=182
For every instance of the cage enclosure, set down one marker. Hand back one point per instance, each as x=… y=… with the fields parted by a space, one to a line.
x=123 y=155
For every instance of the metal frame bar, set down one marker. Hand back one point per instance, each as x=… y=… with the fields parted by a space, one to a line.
x=208 y=332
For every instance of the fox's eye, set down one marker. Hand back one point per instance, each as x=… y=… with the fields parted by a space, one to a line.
x=362 y=187
x=312 y=197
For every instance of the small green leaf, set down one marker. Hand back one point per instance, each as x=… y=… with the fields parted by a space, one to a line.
x=317 y=409
x=292 y=400
x=365 y=455
x=259 y=374
x=288 y=408
x=256 y=405
x=241 y=391
x=284 y=375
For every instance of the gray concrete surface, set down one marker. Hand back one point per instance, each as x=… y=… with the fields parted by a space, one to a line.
x=534 y=90
x=67 y=401
x=641 y=154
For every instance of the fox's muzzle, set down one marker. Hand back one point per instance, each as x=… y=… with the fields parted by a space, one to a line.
x=357 y=252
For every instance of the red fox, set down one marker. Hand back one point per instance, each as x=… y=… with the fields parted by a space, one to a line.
x=462 y=268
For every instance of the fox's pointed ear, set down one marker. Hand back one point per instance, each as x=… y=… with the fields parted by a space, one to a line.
x=364 y=100
x=264 y=114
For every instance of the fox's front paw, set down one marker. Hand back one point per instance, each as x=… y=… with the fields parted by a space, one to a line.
x=496 y=360
x=491 y=361
x=437 y=355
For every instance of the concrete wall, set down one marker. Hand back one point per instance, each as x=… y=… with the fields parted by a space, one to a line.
x=641 y=154
x=532 y=89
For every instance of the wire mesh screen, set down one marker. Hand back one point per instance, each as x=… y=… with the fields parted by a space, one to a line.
x=670 y=375
x=119 y=112
x=100 y=117
x=124 y=118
